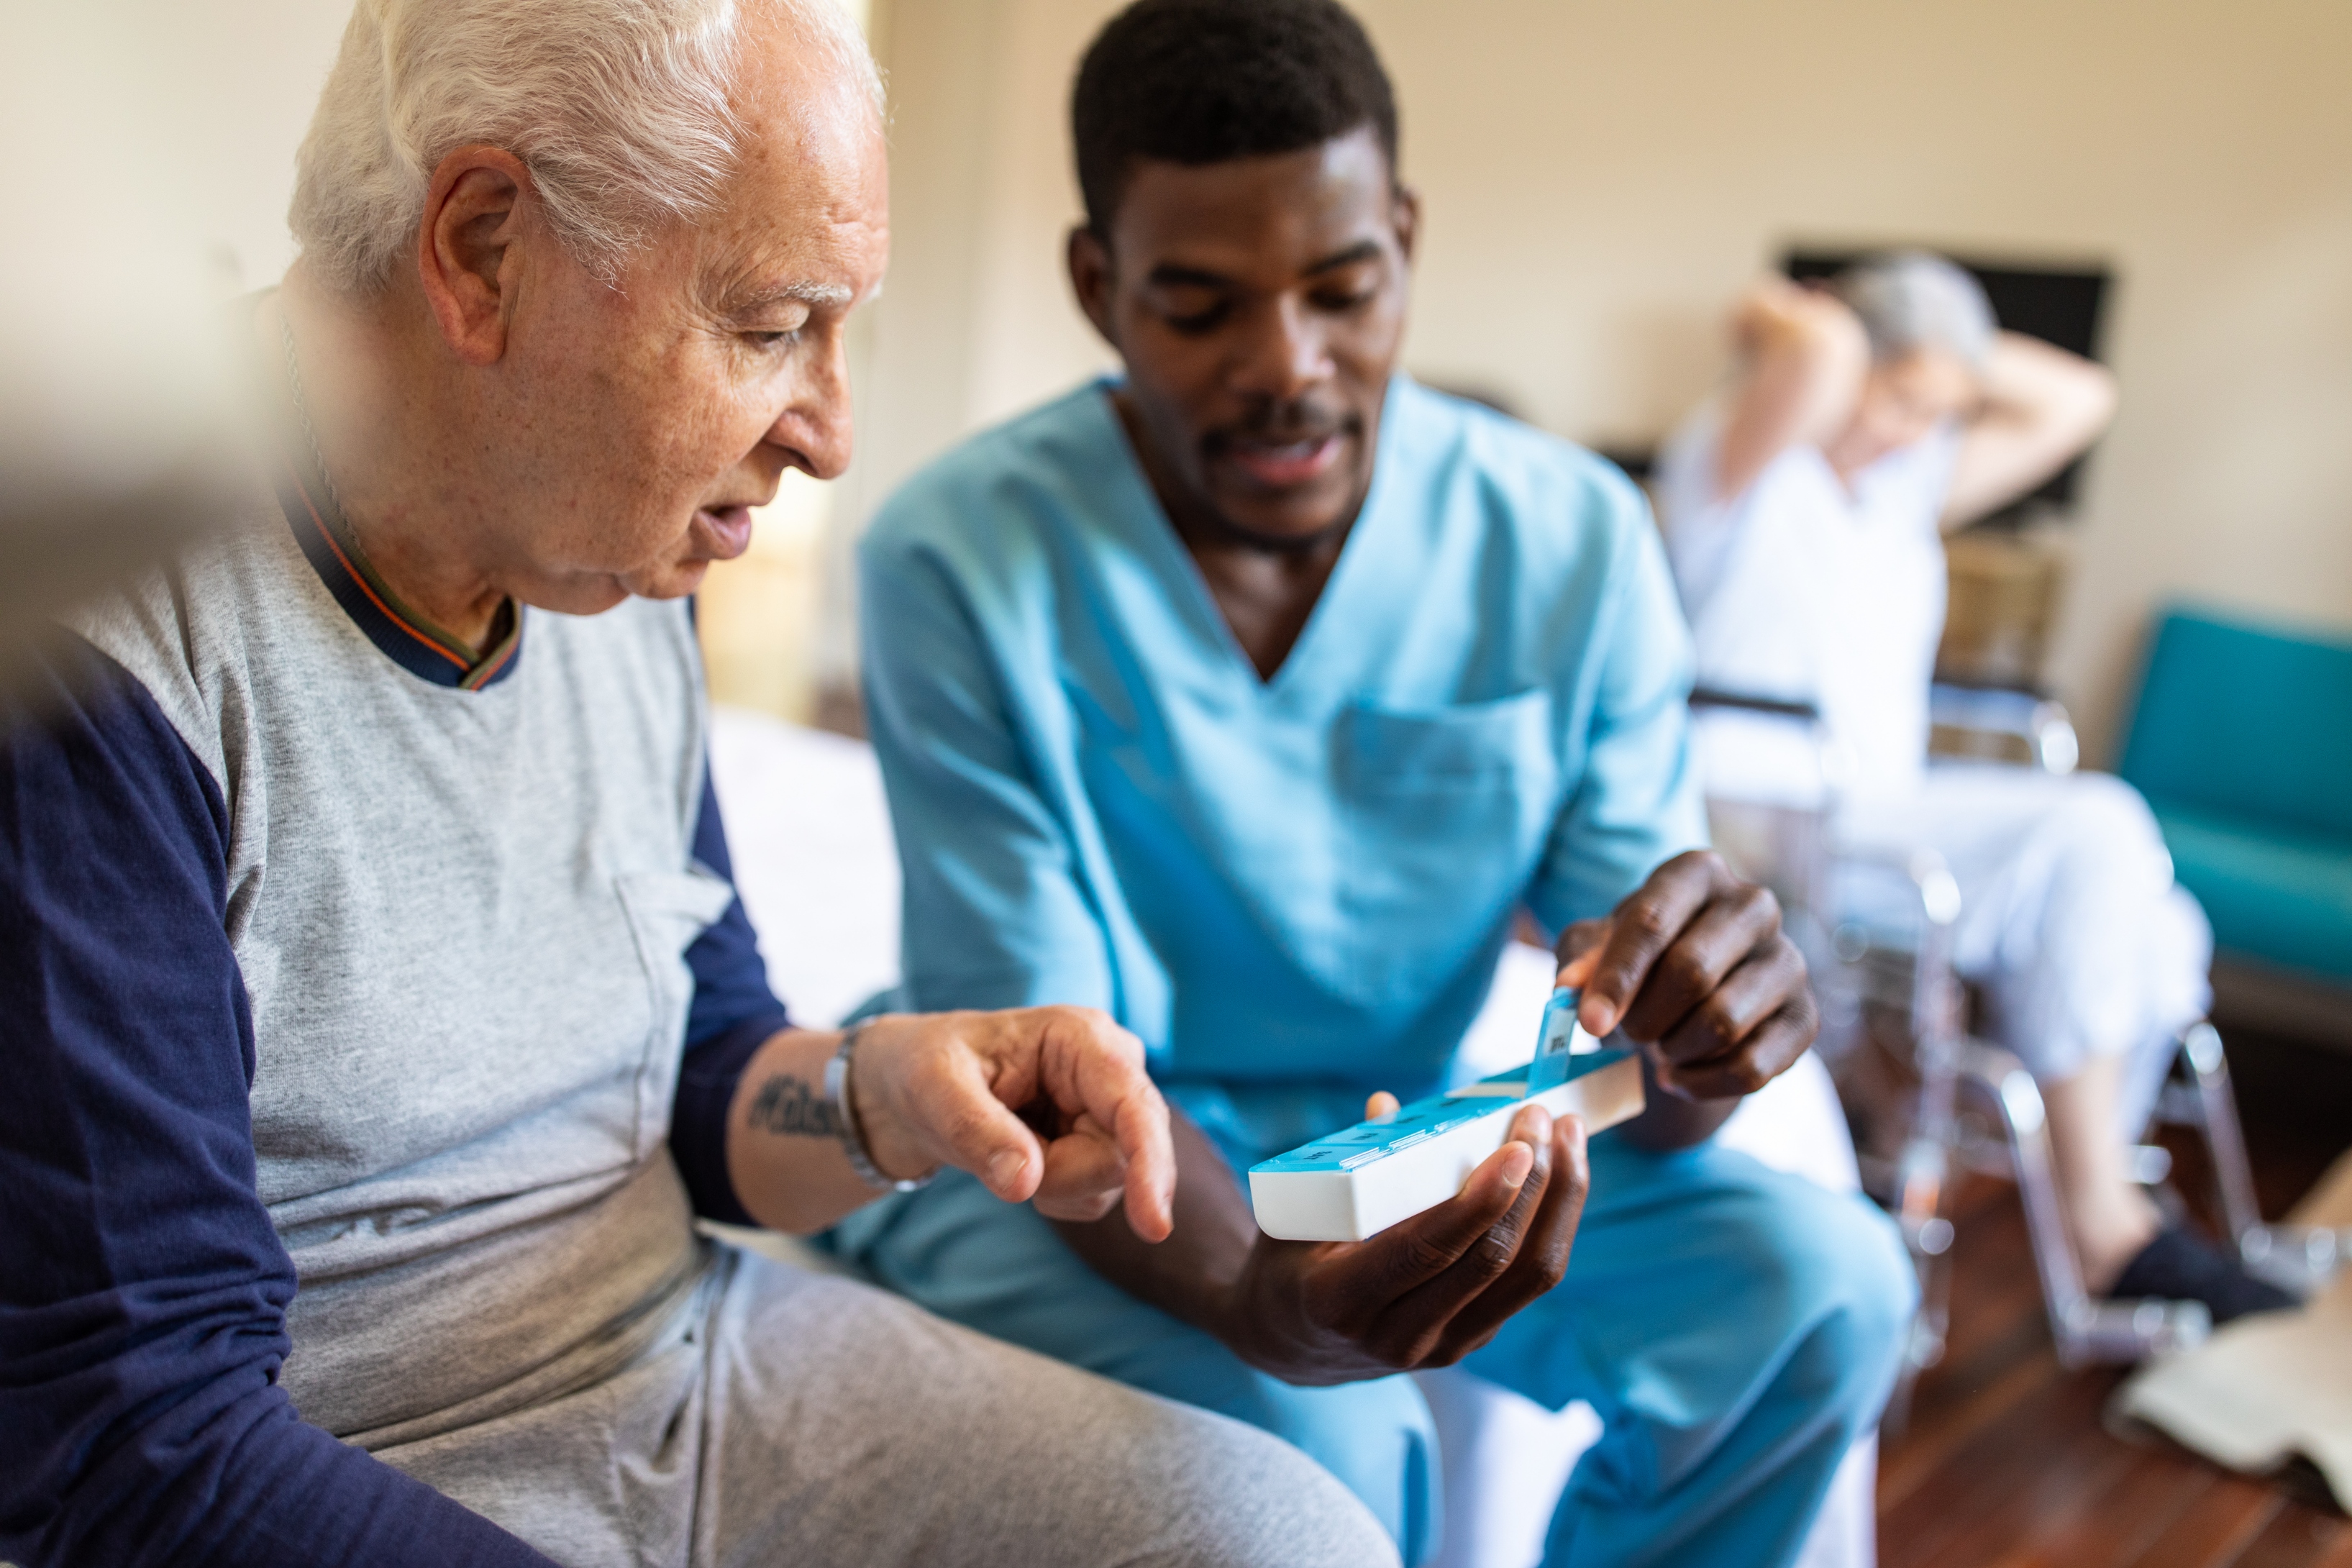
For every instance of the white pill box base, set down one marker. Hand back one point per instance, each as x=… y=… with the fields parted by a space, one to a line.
x=1313 y=1201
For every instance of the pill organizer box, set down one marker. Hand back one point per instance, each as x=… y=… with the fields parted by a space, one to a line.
x=1356 y=1183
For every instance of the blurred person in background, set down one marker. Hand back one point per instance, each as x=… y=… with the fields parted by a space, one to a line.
x=1250 y=695
x=1805 y=512
x=379 y=1012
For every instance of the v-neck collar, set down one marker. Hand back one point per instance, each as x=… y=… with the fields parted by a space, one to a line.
x=1365 y=561
x=402 y=633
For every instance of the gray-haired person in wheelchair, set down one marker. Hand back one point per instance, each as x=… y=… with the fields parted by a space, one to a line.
x=1804 y=510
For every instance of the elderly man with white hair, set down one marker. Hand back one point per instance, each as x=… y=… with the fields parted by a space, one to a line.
x=1804 y=513
x=380 y=1012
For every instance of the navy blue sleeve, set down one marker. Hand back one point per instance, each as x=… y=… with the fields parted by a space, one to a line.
x=143 y=1297
x=732 y=1016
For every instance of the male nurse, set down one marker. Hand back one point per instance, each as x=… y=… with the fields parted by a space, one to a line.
x=1251 y=696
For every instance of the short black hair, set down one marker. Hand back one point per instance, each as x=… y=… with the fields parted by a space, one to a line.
x=1203 y=82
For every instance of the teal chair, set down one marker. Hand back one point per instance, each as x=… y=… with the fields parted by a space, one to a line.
x=2242 y=744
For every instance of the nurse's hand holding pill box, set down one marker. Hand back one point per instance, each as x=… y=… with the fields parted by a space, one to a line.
x=1400 y=1160
x=1692 y=972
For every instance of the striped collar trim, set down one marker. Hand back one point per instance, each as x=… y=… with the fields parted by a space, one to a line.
x=407 y=637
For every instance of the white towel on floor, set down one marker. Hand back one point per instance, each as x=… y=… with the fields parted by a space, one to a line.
x=2267 y=1388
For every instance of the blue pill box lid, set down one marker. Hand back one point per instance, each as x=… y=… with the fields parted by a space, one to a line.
x=1367 y=1142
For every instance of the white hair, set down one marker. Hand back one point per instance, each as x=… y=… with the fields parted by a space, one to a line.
x=1911 y=300
x=618 y=108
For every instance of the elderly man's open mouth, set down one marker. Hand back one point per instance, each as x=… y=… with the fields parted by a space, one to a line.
x=722 y=532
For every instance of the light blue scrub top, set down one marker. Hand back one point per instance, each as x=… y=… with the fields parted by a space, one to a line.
x=1295 y=889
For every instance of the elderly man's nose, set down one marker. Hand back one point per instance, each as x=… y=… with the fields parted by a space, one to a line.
x=814 y=428
x=822 y=447
x=1285 y=354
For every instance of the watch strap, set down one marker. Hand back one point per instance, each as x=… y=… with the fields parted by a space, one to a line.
x=853 y=1135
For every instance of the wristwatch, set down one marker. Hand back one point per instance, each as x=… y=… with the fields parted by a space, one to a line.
x=853 y=1137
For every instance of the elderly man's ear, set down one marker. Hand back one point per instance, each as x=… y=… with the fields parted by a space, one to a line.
x=469 y=259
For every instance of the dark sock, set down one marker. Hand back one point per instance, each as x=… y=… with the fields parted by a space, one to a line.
x=2180 y=1266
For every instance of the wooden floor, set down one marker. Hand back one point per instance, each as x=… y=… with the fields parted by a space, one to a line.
x=2004 y=1459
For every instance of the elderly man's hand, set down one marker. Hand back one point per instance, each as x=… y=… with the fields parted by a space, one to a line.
x=1695 y=969
x=1426 y=1292
x=1043 y=1104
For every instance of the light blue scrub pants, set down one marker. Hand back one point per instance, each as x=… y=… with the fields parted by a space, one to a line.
x=1736 y=1329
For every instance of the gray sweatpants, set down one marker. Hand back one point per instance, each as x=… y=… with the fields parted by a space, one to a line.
x=796 y=1418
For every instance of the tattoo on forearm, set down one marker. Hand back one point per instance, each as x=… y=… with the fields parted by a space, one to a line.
x=794 y=1107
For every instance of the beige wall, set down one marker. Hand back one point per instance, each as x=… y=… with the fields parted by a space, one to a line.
x=1600 y=177
x=232 y=84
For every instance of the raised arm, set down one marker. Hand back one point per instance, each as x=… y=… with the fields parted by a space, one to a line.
x=1802 y=360
x=2041 y=407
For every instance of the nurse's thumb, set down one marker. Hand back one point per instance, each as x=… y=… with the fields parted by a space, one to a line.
x=1580 y=947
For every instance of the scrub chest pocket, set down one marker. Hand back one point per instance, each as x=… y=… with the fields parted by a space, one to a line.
x=1378 y=850
x=1443 y=814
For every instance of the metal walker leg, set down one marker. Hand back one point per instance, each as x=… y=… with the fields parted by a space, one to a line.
x=1923 y=1169
x=2296 y=1258
x=2085 y=1330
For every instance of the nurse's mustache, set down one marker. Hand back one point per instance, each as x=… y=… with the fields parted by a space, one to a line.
x=1281 y=427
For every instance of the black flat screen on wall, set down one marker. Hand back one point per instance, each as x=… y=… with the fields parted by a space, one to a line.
x=2058 y=305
